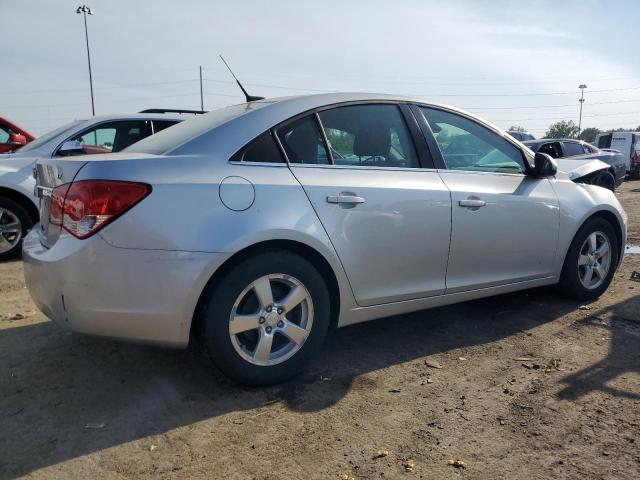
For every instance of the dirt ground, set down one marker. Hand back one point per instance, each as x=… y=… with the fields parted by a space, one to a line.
x=531 y=386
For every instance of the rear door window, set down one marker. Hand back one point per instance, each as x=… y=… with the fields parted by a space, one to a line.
x=573 y=148
x=369 y=136
x=302 y=141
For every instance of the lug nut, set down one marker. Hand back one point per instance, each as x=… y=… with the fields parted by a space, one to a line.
x=268 y=329
x=280 y=310
x=280 y=324
x=262 y=320
x=269 y=308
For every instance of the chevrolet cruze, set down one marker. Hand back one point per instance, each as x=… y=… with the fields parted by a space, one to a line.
x=258 y=227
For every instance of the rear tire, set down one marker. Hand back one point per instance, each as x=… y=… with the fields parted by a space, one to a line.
x=15 y=222
x=590 y=264
x=255 y=291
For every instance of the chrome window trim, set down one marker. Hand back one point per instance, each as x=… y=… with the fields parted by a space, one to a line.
x=362 y=167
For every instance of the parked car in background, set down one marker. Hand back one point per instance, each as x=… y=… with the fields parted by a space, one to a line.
x=18 y=202
x=627 y=143
x=522 y=136
x=245 y=229
x=12 y=137
x=585 y=160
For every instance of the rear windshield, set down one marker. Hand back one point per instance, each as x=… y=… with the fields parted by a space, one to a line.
x=172 y=138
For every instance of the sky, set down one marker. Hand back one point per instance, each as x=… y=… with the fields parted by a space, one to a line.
x=510 y=62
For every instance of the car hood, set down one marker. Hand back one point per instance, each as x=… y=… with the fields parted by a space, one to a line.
x=576 y=169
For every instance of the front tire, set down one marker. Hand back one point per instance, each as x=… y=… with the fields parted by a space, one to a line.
x=591 y=261
x=15 y=222
x=266 y=317
x=606 y=180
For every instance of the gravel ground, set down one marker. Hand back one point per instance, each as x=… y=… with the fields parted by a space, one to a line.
x=521 y=386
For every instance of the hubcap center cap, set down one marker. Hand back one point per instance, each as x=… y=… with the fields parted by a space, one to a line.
x=271 y=318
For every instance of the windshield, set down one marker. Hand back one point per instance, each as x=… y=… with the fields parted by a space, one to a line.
x=38 y=142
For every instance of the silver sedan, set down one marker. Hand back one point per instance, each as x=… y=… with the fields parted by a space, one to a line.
x=258 y=227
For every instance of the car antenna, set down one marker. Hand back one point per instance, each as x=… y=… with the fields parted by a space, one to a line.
x=250 y=98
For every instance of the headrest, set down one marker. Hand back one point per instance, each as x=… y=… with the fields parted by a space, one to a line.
x=372 y=140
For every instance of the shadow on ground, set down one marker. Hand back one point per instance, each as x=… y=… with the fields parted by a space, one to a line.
x=623 y=329
x=53 y=383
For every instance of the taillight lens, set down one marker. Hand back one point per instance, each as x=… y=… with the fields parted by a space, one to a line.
x=86 y=206
x=636 y=158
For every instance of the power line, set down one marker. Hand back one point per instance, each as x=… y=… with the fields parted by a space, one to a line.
x=482 y=109
x=561 y=117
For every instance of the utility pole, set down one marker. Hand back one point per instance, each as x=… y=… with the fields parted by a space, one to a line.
x=581 y=87
x=87 y=11
x=201 y=94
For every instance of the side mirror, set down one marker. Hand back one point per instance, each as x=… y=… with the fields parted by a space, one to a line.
x=71 y=147
x=545 y=166
x=17 y=139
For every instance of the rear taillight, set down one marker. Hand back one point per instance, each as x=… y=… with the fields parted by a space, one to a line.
x=84 y=207
x=635 y=160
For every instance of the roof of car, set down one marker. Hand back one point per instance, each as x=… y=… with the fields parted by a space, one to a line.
x=244 y=121
x=136 y=116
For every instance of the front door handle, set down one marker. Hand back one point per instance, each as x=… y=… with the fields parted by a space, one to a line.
x=347 y=199
x=472 y=203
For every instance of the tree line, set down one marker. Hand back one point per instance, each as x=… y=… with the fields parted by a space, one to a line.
x=569 y=129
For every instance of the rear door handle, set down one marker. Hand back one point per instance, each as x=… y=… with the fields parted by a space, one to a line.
x=348 y=199
x=472 y=203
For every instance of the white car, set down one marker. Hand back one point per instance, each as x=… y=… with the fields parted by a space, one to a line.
x=104 y=134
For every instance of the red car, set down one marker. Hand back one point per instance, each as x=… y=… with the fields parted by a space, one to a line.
x=12 y=137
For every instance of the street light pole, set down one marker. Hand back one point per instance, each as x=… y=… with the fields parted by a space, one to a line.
x=581 y=87
x=87 y=11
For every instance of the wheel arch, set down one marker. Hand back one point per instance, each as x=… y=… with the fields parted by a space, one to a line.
x=609 y=217
x=23 y=200
x=309 y=253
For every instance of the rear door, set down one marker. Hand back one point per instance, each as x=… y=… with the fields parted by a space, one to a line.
x=389 y=219
x=504 y=222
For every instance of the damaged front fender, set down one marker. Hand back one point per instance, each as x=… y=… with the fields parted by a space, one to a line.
x=593 y=172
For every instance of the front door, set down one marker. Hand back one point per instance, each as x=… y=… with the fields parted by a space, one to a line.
x=504 y=223
x=388 y=219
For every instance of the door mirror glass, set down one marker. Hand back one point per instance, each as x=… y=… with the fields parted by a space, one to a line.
x=71 y=147
x=545 y=166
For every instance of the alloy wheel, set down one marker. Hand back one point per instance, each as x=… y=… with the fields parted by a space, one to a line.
x=271 y=319
x=10 y=230
x=594 y=260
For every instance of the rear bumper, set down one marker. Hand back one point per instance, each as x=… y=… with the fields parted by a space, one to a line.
x=140 y=295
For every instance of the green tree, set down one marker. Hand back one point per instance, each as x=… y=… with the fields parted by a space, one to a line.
x=562 y=129
x=589 y=134
x=516 y=128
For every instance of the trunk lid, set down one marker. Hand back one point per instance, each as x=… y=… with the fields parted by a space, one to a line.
x=52 y=173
